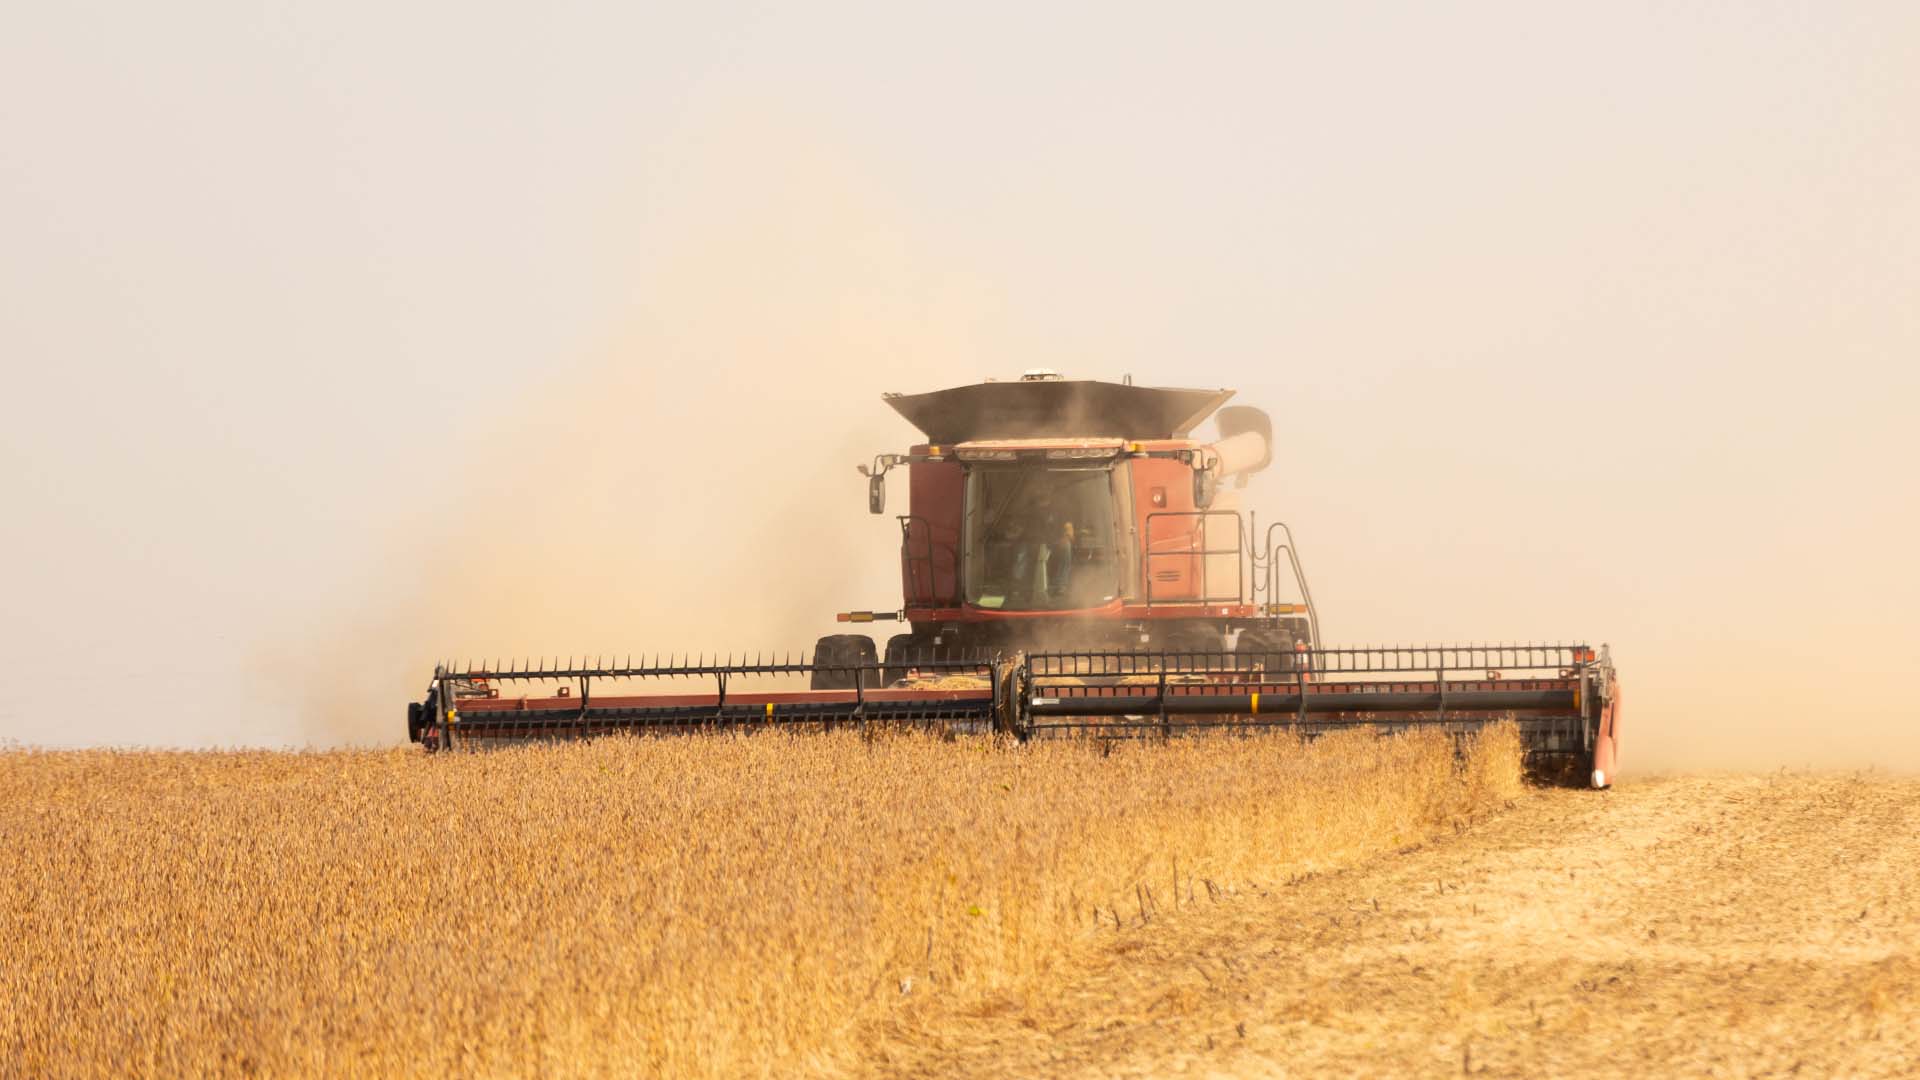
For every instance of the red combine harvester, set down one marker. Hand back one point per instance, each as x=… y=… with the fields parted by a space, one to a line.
x=1069 y=567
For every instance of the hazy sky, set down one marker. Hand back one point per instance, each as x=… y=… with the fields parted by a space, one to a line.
x=340 y=337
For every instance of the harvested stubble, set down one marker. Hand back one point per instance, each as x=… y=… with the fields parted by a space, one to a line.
x=720 y=904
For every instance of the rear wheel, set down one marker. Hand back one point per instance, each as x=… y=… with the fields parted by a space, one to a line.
x=841 y=659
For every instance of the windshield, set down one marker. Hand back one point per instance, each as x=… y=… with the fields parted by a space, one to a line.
x=1040 y=539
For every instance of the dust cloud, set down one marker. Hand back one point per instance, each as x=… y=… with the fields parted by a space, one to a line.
x=689 y=489
x=336 y=353
x=688 y=486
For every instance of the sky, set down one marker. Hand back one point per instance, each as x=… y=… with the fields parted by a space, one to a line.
x=342 y=337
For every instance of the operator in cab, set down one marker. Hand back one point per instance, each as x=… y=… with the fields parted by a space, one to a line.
x=1041 y=542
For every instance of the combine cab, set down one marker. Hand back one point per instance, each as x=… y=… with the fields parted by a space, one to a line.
x=1069 y=568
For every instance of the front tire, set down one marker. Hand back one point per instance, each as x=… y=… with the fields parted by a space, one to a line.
x=903 y=652
x=842 y=661
x=1269 y=650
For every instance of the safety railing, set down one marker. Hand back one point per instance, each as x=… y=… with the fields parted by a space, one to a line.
x=914 y=560
x=1199 y=551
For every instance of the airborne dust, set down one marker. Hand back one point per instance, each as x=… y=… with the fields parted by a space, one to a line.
x=384 y=358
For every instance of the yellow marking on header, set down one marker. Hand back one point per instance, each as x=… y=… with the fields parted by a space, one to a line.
x=769 y=710
x=1256 y=703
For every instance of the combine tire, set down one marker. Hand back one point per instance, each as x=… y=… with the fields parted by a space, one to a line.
x=1255 y=644
x=903 y=651
x=853 y=650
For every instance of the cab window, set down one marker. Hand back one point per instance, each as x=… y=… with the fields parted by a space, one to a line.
x=1040 y=539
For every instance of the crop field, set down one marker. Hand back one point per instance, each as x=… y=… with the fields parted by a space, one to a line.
x=1697 y=925
x=722 y=905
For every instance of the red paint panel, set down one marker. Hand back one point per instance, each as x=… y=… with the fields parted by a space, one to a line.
x=669 y=701
x=1168 y=568
x=1279 y=686
x=1115 y=611
x=930 y=543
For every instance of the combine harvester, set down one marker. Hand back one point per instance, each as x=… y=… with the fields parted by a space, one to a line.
x=1068 y=571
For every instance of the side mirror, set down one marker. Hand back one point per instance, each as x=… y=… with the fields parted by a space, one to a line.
x=1204 y=483
x=876 y=494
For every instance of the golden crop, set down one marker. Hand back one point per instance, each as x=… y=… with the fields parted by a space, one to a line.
x=717 y=904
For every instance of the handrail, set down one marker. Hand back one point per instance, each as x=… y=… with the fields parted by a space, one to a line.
x=1203 y=553
x=1299 y=576
x=908 y=559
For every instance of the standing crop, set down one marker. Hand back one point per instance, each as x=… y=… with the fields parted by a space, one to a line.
x=717 y=904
